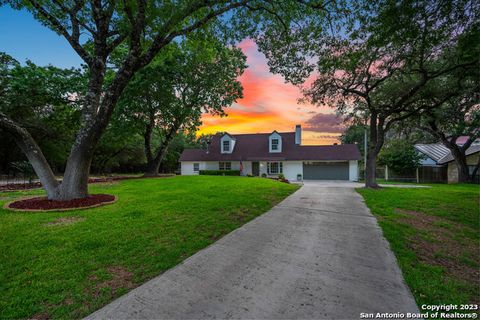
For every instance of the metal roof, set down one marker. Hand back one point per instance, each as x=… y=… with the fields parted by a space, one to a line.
x=441 y=154
x=473 y=149
x=434 y=151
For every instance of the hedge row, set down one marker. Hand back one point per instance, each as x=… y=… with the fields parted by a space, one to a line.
x=220 y=172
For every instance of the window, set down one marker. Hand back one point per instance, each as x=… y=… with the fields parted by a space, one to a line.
x=274 y=167
x=196 y=167
x=274 y=144
x=225 y=166
x=226 y=146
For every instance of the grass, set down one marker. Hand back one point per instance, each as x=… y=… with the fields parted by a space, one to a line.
x=434 y=233
x=89 y=257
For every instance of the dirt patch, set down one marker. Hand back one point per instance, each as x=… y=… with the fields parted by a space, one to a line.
x=436 y=245
x=120 y=278
x=40 y=316
x=65 y=221
x=44 y=204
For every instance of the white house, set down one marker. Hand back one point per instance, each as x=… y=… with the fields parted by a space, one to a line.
x=273 y=154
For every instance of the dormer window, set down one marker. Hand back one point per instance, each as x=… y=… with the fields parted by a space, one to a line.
x=227 y=143
x=226 y=146
x=275 y=144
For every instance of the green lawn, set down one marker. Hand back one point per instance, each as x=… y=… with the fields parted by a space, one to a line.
x=69 y=270
x=434 y=232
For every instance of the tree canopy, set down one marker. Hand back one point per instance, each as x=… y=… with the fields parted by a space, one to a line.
x=381 y=65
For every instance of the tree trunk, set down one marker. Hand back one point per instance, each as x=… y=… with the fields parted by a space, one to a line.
x=370 y=170
x=376 y=142
x=462 y=168
x=475 y=170
x=458 y=153
x=153 y=165
x=33 y=153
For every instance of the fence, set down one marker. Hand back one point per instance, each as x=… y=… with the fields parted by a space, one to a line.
x=420 y=175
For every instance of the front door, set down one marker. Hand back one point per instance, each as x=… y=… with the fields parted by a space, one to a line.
x=256 y=168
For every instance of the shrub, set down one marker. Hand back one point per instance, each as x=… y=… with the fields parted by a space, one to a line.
x=400 y=156
x=264 y=175
x=220 y=172
x=281 y=176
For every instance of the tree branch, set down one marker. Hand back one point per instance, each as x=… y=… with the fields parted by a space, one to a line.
x=74 y=39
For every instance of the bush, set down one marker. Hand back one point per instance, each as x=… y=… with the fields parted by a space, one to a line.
x=281 y=176
x=220 y=172
x=400 y=156
x=264 y=175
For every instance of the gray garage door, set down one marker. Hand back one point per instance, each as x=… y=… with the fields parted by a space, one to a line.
x=325 y=171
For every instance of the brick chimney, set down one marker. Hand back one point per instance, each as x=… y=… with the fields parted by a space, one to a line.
x=298 y=134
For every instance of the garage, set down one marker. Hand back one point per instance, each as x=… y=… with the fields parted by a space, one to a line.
x=325 y=171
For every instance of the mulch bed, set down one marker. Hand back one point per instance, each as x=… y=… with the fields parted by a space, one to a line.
x=35 y=185
x=43 y=204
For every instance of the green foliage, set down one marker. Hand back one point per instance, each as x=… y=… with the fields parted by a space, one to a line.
x=281 y=176
x=46 y=101
x=220 y=172
x=400 y=156
x=355 y=134
x=25 y=168
x=264 y=175
x=456 y=205
x=155 y=225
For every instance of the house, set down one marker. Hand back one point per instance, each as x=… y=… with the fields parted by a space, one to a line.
x=273 y=154
x=436 y=155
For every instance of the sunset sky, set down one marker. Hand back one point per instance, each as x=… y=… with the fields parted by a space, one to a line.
x=268 y=103
x=271 y=104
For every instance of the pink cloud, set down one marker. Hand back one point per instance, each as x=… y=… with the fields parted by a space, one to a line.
x=268 y=104
x=325 y=122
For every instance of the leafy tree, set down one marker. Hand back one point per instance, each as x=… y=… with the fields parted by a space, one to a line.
x=400 y=156
x=171 y=94
x=459 y=117
x=380 y=65
x=97 y=29
x=181 y=141
x=40 y=99
x=120 y=147
x=355 y=134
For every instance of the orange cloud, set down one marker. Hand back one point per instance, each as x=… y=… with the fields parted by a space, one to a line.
x=268 y=104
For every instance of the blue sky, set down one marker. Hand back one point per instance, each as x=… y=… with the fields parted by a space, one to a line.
x=22 y=37
x=268 y=102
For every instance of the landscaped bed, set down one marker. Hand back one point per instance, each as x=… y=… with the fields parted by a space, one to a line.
x=434 y=233
x=44 y=204
x=68 y=264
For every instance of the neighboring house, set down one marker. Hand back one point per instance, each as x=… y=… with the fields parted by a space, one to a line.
x=437 y=155
x=273 y=154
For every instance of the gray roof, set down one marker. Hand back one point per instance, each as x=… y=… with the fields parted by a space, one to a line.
x=434 y=151
x=254 y=147
x=473 y=149
x=441 y=154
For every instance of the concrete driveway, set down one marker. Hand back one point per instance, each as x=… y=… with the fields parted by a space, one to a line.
x=319 y=254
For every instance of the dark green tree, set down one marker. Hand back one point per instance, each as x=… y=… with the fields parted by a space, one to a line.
x=382 y=62
x=400 y=156
x=97 y=29
x=44 y=100
x=195 y=77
